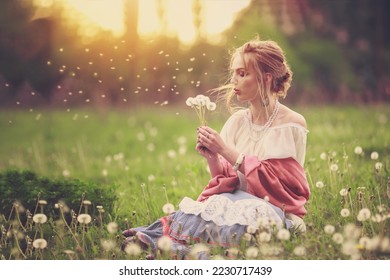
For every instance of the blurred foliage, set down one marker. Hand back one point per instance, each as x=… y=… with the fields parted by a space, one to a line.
x=338 y=50
x=26 y=188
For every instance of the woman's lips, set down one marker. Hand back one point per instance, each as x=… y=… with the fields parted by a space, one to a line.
x=236 y=91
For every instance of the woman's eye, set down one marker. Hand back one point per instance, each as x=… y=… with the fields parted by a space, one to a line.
x=242 y=74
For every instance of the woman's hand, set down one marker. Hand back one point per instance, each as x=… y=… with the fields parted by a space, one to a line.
x=209 y=142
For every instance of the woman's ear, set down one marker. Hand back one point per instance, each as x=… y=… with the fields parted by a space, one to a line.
x=268 y=78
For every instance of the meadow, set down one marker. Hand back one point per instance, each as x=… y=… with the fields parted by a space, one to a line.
x=147 y=155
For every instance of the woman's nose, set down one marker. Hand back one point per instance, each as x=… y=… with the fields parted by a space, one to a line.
x=233 y=79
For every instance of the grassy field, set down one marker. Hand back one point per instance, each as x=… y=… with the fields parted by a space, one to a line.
x=148 y=155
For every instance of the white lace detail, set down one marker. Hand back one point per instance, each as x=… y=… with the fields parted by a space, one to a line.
x=223 y=211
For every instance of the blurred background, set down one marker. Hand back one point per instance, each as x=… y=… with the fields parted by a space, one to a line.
x=65 y=53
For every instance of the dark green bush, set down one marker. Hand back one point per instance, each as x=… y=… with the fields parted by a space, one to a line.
x=26 y=187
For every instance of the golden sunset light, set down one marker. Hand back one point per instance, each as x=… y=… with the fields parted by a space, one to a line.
x=173 y=18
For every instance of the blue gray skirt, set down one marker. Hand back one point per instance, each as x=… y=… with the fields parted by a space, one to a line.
x=221 y=220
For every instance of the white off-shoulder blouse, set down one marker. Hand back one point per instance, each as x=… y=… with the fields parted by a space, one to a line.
x=279 y=141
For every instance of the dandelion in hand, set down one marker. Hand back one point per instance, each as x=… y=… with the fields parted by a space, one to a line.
x=202 y=105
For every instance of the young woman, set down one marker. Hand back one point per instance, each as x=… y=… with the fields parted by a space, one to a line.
x=256 y=162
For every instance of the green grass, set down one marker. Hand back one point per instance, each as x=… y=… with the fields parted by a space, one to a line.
x=148 y=153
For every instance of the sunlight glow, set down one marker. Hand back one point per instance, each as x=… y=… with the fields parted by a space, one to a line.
x=175 y=19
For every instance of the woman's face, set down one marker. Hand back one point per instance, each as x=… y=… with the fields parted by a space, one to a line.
x=244 y=81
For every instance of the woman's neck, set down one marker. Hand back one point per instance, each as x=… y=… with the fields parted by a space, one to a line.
x=261 y=112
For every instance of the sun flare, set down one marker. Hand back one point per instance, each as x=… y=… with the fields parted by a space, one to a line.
x=173 y=18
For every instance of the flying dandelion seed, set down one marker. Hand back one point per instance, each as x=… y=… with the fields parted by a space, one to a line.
x=164 y=243
x=329 y=229
x=319 y=184
x=40 y=243
x=112 y=227
x=168 y=208
x=40 y=218
x=84 y=219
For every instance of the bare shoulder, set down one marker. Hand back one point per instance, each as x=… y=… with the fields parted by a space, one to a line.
x=287 y=115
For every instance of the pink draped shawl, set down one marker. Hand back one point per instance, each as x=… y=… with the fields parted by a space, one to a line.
x=283 y=181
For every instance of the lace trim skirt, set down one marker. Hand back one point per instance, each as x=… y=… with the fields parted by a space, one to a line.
x=221 y=220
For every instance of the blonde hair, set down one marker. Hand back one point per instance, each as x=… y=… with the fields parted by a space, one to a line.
x=266 y=57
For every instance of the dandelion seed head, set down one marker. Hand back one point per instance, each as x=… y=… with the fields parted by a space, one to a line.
x=87 y=202
x=151 y=178
x=358 y=150
x=252 y=252
x=164 y=243
x=377 y=218
x=351 y=231
x=168 y=208
x=112 y=227
x=40 y=218
x=300 y=251
x=199 y=248
x=364 y=214
x=319 y=184
x=349 y=248
x=251 y=229
x=108 y=245
x=171 y=153
x=374 y=155
x=104 y=172
x=344 y=192
x=323 y=156
x=264 y=237
x=84 y=219
x=338 y=238
x=40 y=243
x=334 y=167
x=345 y=212
x=133 y=249
x=42 y=202
x=283 y=234
x=329 y=229
x=247 y=237
x=378 y=166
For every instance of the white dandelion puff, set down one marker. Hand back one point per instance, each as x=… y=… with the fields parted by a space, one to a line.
x=334 y=167
x=344 y=192
x=264 y=237
x=198 y=249
x=364 y=214
x=323 y=156
x=133 y=249
x=164 y=243
x=319 y=184
x=351 y=231
x=40 y=243
x=251 y=229
x=329 y=229
x=283 y=234
x=40 y=218
x=252 y=252
x=378 y=166
x=168 y=208
x=358 y=150
x=345 y=212
x=300 y=251
x=338 y=238
x=374 y=155
x=112 y=227
x=84 y=219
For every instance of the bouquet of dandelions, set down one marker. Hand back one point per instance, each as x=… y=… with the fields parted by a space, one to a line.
x=202 y=104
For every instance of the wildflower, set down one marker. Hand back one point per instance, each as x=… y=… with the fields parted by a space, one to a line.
x=264 y=237
x=151 y=178
x=252 y=252
x=164 y=243
x=378 y=166
x=358 y=150
x=133 y=249
x=323 y=156
x=65 y=173
x=201 y=104
x=108 y=245
x=218 y=257
x=247 y=237
x=320 y=184
x=283 y=234
x=338 y=238
x=104 y=172
x=334 y=167
x=112 y=227
x=84 y=219
x=40 y=218
x=364 y=214
x=87 y=202
x=262 y=222
x=344 y=192
x=171 y=153
x=349 y=248
x=329 y=229
x=365 y=242
x=344 y=212
x=374 y=155
x=232 y=252
x=168 y=208
x=99 y=207
x=377 y=218
x=300 y=251
x=40 y=243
